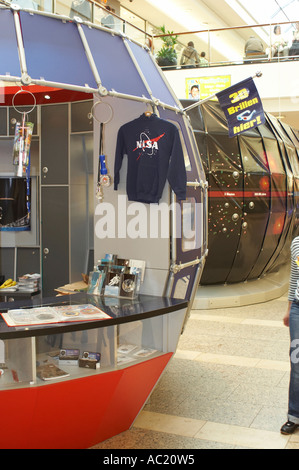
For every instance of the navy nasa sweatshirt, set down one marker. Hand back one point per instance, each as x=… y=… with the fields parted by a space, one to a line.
x=155 y=155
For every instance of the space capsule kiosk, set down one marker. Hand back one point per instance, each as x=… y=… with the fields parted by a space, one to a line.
x=77 y=369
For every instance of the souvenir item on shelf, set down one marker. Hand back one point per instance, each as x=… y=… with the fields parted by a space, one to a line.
x=128 y=285
x=29 y=282
x=90 y=360
x=96 y=281
x=50 y=371
x=69 y=357
x=112 y=286
x=127 y=352
x=21 y=148
x=22 y=138
x=144 y=352
x=116 y=277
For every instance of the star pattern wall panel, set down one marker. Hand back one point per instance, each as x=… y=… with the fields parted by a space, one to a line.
x=253 y=194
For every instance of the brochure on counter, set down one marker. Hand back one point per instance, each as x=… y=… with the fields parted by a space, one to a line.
x=57 y=314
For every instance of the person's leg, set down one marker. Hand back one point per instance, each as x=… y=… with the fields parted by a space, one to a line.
x=293 y=410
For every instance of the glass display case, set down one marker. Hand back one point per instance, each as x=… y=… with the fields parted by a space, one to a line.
x=137 y=331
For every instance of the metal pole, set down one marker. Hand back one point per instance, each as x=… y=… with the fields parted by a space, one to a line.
x=136 y=65
x=64 y=86
x=25 y=77
x=88 y=52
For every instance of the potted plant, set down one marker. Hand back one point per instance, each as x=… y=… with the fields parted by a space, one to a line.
x=167 y=55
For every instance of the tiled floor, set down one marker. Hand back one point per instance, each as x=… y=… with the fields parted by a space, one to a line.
x=225 y=388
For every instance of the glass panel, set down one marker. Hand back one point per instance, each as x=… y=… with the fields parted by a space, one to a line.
x=83 y=353
x=45 y=5
x=131 y=23
x=9 y=63
x=33 y=5
x=71 y=8
x=16 y=365
x=139 y=340
x=106 y=18
x=75 y=354
x=111 y=72
x=63 y=7
x=98 y=14
x=152 y=75
x=134 y=33
x=81 y=8
x=54 y=51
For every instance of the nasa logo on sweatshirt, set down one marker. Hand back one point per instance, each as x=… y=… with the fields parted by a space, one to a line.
x=148 y=146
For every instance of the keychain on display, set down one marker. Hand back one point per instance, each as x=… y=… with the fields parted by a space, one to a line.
x=104 y=179
x=22 y=140
x=28 y=203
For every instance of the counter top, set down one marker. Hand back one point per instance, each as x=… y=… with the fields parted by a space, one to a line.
x=120 y=310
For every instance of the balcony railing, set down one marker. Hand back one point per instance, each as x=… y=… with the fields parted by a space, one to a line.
x=228 y=46
x=225 y=46
x=87 y=10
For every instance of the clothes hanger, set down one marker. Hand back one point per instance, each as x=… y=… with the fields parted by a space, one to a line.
x=149 y=111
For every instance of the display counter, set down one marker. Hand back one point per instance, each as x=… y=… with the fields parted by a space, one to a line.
x=74 y=383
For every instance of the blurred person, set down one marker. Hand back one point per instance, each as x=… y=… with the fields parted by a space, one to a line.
x=253 y=44
x=190 y=57
x=291 y=320
x=203 y=61
x=279 y=43
x=296 y=32
x=294 y=49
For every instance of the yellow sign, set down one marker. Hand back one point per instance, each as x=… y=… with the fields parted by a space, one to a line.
x=203 y=87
